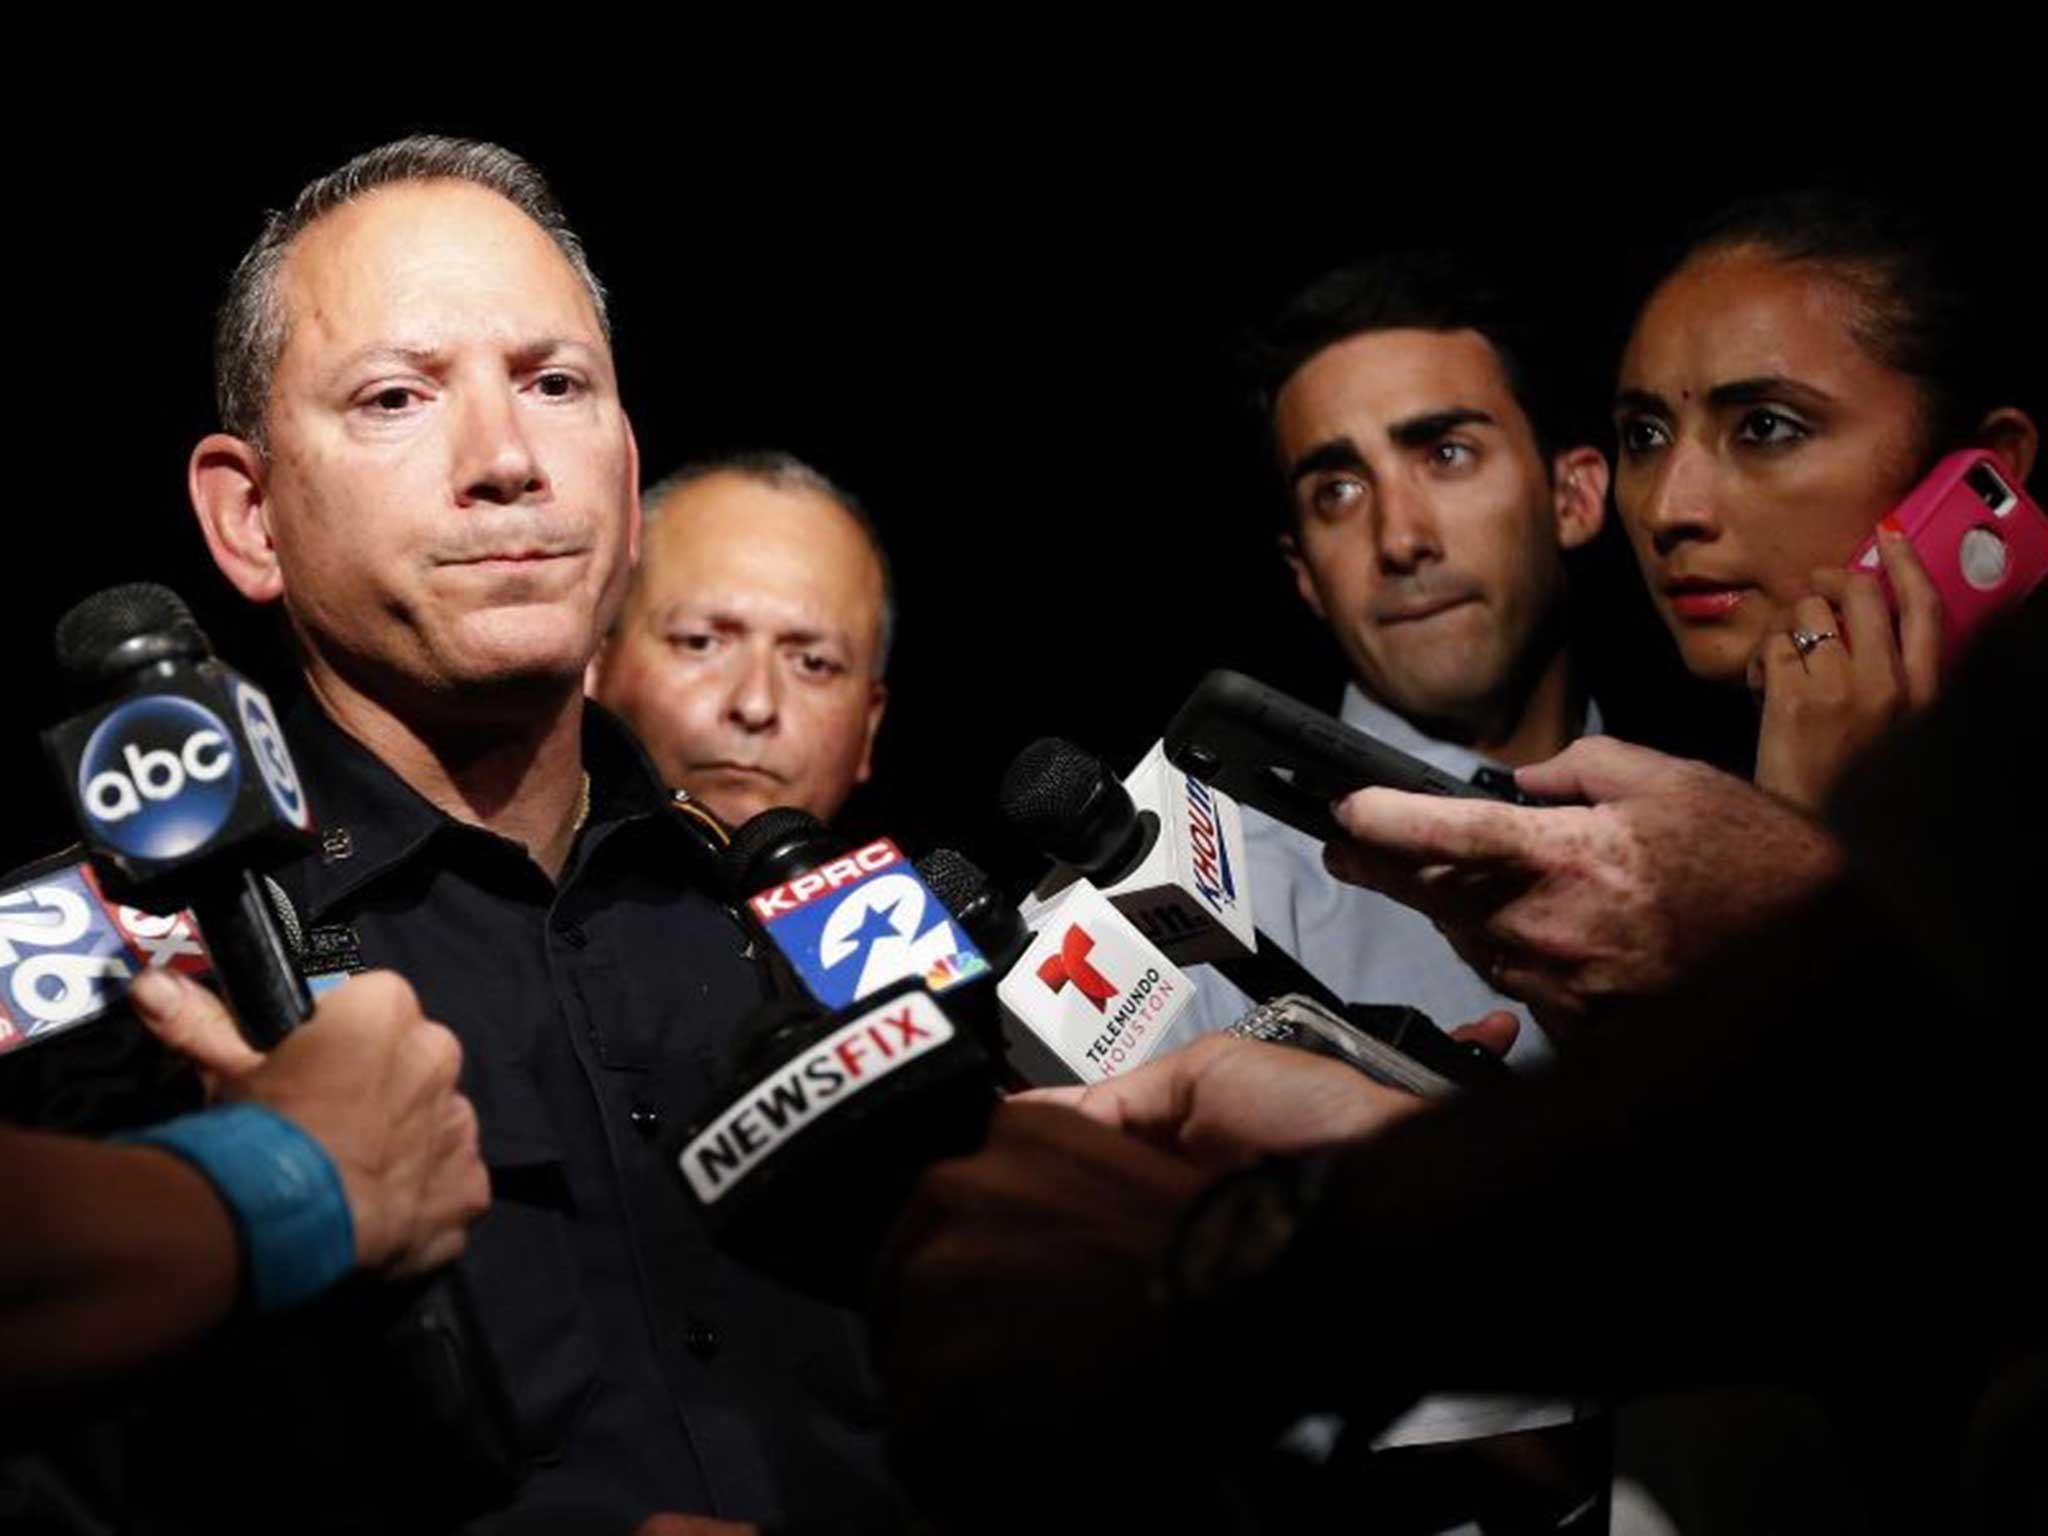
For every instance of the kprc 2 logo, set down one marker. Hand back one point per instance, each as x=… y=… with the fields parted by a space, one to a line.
x=159 y=777
x=860 y=922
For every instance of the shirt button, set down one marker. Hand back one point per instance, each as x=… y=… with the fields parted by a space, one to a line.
x=700 y=1339
x=646 y=1119
x=572 y=934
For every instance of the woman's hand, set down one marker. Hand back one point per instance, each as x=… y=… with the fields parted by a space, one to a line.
x=1825 y=702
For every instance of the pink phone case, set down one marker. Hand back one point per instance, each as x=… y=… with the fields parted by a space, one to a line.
x=1982 y=538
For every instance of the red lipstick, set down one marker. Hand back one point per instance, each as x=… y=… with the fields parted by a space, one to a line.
x=1701 y=602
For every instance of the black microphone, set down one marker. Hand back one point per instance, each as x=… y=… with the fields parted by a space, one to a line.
x=776 y=846
x=185 y=792
x=991 y=919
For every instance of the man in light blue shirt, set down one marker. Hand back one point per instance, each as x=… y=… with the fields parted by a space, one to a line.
x=1432 y=490
x=1433 y=483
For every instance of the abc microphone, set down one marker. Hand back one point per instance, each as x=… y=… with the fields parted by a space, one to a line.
x=185 y=792
x=182 y=787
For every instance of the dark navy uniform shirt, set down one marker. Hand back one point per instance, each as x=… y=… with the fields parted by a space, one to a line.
x=646 y=1370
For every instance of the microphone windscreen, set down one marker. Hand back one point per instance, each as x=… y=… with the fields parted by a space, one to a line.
x=87 y=637
x=966 y=891
x=1068 y=804
x=776 y=845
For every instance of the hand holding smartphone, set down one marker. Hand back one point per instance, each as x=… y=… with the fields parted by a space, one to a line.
x=1981 y=538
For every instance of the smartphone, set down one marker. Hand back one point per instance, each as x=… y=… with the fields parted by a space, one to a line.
x=1263 y=748
x=1982 y=538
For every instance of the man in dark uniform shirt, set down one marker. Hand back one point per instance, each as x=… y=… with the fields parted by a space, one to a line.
x=426 y=462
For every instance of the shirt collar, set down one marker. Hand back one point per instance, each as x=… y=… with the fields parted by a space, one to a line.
x=1365 y=713
x=370 y=820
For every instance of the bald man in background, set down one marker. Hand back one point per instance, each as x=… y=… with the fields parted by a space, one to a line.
x=749 y=656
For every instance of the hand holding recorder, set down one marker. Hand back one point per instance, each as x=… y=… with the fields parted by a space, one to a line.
x=1570 y=907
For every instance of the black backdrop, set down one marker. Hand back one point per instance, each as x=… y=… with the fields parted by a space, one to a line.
x=1017 y=356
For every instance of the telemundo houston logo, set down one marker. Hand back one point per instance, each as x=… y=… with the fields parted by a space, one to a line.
x=159 y=777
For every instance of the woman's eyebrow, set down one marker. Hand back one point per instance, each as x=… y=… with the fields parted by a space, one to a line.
x=1766 y=387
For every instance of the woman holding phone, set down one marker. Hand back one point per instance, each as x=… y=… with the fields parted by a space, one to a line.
x=1793 y=375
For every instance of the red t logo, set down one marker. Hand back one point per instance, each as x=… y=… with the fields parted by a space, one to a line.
x=1071 y=964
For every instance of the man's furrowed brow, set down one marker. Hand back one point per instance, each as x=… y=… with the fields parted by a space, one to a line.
x=1434 y=426
x=1337 y=453
x=411 y=354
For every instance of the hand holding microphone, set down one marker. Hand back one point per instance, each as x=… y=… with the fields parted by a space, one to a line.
x=369 y=1078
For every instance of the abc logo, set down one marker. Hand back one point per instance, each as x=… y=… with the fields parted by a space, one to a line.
x=273 y=762
x=159 y=777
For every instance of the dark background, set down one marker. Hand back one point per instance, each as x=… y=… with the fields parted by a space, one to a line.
x=1013 y=344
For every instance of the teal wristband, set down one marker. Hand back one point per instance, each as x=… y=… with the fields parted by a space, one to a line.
x=283 y=1191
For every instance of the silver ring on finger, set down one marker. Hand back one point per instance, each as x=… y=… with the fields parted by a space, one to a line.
x=1807 y=641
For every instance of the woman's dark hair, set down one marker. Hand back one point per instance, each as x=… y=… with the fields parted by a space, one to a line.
x=1923 y=312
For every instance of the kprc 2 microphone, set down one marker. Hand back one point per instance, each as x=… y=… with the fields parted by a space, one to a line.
x=848 y=921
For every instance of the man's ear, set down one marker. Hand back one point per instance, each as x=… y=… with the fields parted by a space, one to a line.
x=1304 y=579
x=1578 y=495
x=230 y=494
x=2011 y=434
x=878 y=701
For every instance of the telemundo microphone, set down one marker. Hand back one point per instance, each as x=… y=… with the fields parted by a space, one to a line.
x=1168 y=850
x=1085 y=998
x=185 y=792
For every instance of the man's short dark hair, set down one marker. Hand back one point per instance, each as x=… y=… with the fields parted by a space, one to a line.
x=1425 y=290
x=786 y=472
x=249 y=333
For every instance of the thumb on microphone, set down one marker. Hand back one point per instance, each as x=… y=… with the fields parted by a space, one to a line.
x=194 y=1023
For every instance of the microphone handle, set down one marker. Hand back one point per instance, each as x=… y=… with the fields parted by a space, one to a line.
x=440 y=1382
x=264 y=989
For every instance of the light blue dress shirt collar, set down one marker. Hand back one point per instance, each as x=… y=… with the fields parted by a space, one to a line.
x=1363 y=712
